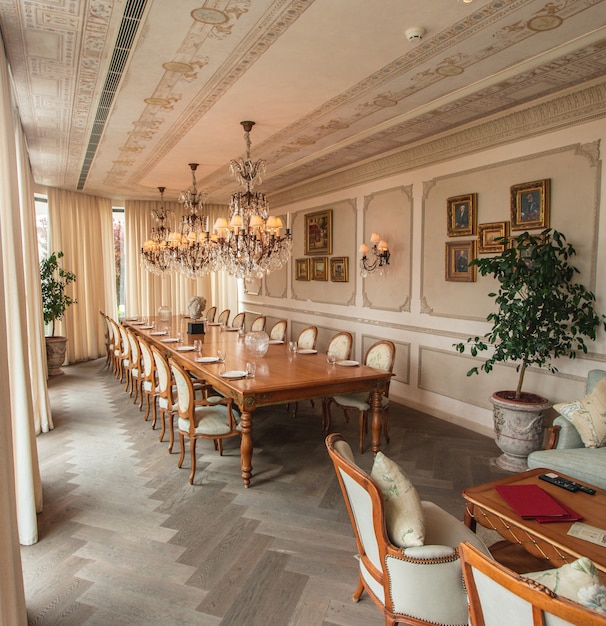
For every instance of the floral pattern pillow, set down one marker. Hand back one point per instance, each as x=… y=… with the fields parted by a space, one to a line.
x=404 y=518
x=578 y=581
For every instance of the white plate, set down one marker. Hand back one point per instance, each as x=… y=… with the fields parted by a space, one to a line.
x=158 y=333
x=307 y=352
x=169 y=340
x=185 y=348
x=146 y=327
x=213 y=323
x=233 y=330
x=131 y=319
x=207 y=359
x=234 y=374
x=346 y=363
x=137 y=323
x=275 y=341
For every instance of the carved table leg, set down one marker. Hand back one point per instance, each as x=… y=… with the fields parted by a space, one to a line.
x=376 y=420
x=246 y=447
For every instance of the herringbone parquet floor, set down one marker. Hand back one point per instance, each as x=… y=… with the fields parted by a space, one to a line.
x=125 y=540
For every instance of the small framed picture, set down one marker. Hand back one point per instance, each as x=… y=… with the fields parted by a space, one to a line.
x=459 y=256
x=462 y=215
x=488 y=235
x=339 y=269
x=530 y=205
x=302 y=269
x=319 y=268
x=318 y=232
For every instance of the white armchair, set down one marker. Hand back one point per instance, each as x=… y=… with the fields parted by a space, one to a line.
x=416 y=585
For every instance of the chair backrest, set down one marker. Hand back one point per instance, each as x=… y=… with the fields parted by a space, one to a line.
x=224 y=317
x=259 y=323
x=210 y=314
x=147 y=360
x=134 y=351
x=307 y=338
x=185 y=392
x=340 y=345
x=125 y=342
x=501 y=597
x=278 y=330
x=381 y=355
x=238 y=321
x=164 y=378
x=116 y=334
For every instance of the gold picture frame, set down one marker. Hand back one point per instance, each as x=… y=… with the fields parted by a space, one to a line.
x=531 y=205
x=302 y=269
x=462 y=215
x=319 y=268
x=318 y=232
x=339 y=269
x=459 y=256
x=488 y=234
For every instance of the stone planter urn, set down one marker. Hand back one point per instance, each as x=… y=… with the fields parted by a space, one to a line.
x=519 y=427
x=55 y=354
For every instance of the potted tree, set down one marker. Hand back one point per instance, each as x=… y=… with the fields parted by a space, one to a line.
x=55 y=301
x=542 y=314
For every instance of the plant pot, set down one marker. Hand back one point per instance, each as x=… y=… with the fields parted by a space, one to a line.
x=55 y=354
x=519 y=427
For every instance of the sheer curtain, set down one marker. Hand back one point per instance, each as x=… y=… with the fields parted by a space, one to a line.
x=12 y=599
x=145 y=292
x=81 y=227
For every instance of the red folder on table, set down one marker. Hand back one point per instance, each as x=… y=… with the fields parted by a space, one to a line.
x=530 y=501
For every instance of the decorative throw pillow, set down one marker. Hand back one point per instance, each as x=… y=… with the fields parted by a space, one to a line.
x=588 y=416
x=403 y=512
x=578 y=581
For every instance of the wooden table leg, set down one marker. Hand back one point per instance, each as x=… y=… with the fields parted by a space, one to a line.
x=246 y=447
x=376 y=420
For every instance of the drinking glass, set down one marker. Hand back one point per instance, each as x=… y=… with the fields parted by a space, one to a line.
x=251 y=369
x=221 y=356
x=198 y=345
x=179 y=336
x=331 y=358
x=292 y=347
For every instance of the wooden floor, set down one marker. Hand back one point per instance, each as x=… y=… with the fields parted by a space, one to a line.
x=124 y=538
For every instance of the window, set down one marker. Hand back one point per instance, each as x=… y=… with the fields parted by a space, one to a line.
x=119 y=257
x=42 y=225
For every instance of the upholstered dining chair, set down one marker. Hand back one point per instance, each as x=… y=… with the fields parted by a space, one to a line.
x=224 y=317
x=380 y=355
x=421 y=584
x=210 y=314
x=500 y=597
x=201 y=418
x=135 y=367
x=165 y=394
x=124 y=356
x=238 y=321
x=149 y=388
x=340 y=345
x=108 y=338
x=117 y=350
x=278 y=331
x=258 y=324
x=307 y=338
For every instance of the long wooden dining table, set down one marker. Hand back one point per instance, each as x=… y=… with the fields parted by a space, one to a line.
x=280 y=377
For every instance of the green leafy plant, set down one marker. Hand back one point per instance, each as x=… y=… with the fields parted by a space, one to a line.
x=542 y=313
x=54 y=282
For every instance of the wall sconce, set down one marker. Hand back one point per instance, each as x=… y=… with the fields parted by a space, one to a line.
x=380 y=256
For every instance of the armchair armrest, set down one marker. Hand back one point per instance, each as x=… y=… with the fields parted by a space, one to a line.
x=568 y=435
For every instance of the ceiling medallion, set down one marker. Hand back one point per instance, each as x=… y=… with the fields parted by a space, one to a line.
x=209 y=16
x=385 y=102
x=161 y=102
x=449 y=70
x=176 y=66
x=542 y=23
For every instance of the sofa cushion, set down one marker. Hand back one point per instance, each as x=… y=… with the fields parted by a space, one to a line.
x=578 y=581
x=588 y=415
x=404 y=520
x=587 y=465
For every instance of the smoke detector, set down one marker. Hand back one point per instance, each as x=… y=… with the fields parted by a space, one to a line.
x=415 y=33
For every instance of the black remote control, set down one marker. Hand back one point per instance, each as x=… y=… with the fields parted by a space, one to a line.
x=569 y=485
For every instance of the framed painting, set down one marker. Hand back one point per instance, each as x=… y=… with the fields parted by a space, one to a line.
x=302 y=269
x=462 y=215
x=339 y=269
x=458 y=261
x=489 y=235
x=531 y=205
x=319 y=268
x=318 y=232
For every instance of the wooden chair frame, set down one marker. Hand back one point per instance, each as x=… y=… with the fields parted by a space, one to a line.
x=278 y=330
x=224 y=317
x=259 y=323
x=210 y=314
x=239 y=320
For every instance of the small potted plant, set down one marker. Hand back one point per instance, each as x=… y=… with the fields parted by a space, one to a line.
x=542 y=314
x=55 y=301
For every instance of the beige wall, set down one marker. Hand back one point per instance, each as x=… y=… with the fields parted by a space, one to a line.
x=412 y=304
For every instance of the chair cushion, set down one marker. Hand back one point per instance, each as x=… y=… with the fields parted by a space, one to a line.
x=578 y=581
x=358 y=401
x=210 y=421
x=588 y=415
x=404 y=520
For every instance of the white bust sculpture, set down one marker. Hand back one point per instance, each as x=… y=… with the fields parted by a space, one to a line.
x=195 y=306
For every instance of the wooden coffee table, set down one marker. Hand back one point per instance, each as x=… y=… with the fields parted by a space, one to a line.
x=544 y=541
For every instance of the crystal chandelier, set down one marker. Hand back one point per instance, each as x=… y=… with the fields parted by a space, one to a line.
x=380 y=256
x=155 y=254
x=250 y=245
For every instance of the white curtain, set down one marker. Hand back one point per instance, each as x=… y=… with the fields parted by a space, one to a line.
x=81 y=228
x=12 y=599
x=145 y=292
